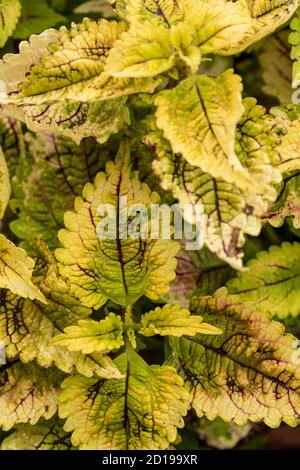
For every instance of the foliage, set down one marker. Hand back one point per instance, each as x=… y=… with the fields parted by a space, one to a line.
x=121 y=342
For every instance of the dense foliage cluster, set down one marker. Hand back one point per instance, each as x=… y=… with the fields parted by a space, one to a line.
x=122 y=343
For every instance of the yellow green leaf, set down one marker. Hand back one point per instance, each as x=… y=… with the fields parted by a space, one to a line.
x=173 y=320
x=5 y=188
x=45 y=435
x=250 y=373
x=27 y=327
x=199 y=118
x=141 y=411
x=90 y=336
x=272 y=281
x=27 y=393
x=277 y=67
x=16 y=271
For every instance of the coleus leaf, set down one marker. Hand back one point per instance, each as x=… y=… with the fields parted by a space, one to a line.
x=41 y=89
x=78 y=120
x=36 y=16
x=27 y=393
x=277 y=67
x=287 y=146
x=294 y=40
x=119 y=269
x=45 y=435
x=10 y=11
x=219 y=26
x=287 y=203
x=271 y=282
x=197 y=273
x=16 y=271
x=140 y=411
x=173 y=320
x=12 y=143
x=50 y=162
x=42 y=74
x=255 y=146
x=199 y=118
x=5 y=189
x=227 y=215
x=27 y=328
x=93 y=336
x=263 y=17
x=251 y=372
x=145 y=51
x=102 y=7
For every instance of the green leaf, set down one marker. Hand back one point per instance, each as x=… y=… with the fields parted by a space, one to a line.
x=5 y=189
x=199 y=118
x=12 y=143
x=140 y=411
x=42 y=72
x=173 y=320
x=91 y=336
x=52 y=162
x=294 y=40
x=287 y=203
x=27 y=328
x=261 y=18
x=197 y=273
x=10 y=11
x=96 y=6
x=251 y=372
x=46 y=435
x=116 y=268
x=227 y=215
x=27 y=393
x=35 y=17
x=145 y=51
x=16 y=271
x=277 y=67
x=255 y=145
x=271 y=282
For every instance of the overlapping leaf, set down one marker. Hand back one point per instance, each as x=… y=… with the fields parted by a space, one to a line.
x=198 y=272
x=10 y=11
x=263 y=17
x=27 y=393
x=251 y=372
x=277 y=67
x=53 y=172
x=287 y=203
x=227 y=216
x=114 y=265
x=140 y=411
x=91 y=336
x=12 y=143
x=16 y=271
x=199 y=118
x=5 y=188
x=45 y=74
x=173 y=320
x=294 y=40
x=45 y=435
x=272 y=281
x=57 y=82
